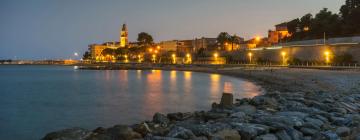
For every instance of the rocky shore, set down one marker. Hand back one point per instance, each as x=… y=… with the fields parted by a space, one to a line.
x=298 y=105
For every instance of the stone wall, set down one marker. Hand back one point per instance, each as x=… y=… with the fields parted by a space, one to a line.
x=304 y=53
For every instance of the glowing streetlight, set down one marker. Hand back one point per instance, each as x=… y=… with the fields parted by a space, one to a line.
x=250 y=56
x=188 y=58
x=216 y=56
x=156 y=51
x=150 y=50
x=158 y=47
x=76 y=54
x=174 y=58
x=126 y=58
x=139 y=57
x=283 y=54
x=327 y=57
x=257 y=38
x=154 y=58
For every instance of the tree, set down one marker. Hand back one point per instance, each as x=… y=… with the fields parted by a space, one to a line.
x=108 y=51
x=145 y=39
x=87 y=55
x=223 y=37
x=234 y=40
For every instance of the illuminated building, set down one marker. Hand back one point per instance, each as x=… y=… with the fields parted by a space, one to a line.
x=281 y=31
x=124 y=36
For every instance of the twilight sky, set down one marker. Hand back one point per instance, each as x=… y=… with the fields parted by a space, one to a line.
x=49 y=29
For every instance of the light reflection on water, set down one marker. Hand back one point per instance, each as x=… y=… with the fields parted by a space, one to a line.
x=39 y=99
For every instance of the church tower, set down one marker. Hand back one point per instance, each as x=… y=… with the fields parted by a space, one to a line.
x=124 y=36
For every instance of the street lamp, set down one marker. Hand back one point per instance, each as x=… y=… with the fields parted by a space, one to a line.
x=215 y=56
x=126 y=58
x=188 y=58
x=283 y=54
x=139 y=56
x=154 y=58
x=174 y=58
x=250 y=56
x=150 y=50
x=327 y=57
x=158 y=47
x=257 y=38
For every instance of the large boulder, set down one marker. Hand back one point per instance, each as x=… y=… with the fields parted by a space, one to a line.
x=180 y=132
x=266 y=137
x=227 y=134
x=159 y=118
x=249 y=131
x=69 y=134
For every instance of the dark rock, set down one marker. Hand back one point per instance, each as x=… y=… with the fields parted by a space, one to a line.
x=240 y=115
x=327 y=135
x=122 y=132
x=249 y=131
x=207 y=129
x=160 y=119
x=227 y=134
x=227 y=100
x=343 y=131
x=213 y=116
x=179 y=116
x=300 y=115
x=266 y=137
x=180 y=132
x=315 y=122
x=288 y=120
x=142 y=128
x=150 y=137
x=294 y=134
x=282 y=135
x=247 y=109
x=68 y=134
x=308 y=131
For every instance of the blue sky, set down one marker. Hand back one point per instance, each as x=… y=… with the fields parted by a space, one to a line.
x=39 y=29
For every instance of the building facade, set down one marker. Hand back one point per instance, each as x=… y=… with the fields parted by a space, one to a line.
x=203 y=43
x=167 y=46
x=124 y=36
x=281 y=31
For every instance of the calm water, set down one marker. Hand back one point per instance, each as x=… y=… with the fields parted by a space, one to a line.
x=35 y=100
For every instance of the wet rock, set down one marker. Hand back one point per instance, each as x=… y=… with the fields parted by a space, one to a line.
x=287 y=120
x=69 y=134
x=180 y=132
x=315 y=122
x=227 y=134
x=327 y=135
x=263 y=100
x=150 y=137
x=294 y=134
x=343 y=131
x=249 y=131
x=142 y=128
x=240 y=115
x=179 y=116
x=300 y=115
x=266 y=137
x=213 y=116
x=160 y=119
x=122 y=132
x=227 y=100
x=207 y=129
x=282 y=135
x=247 y=109
x=308 y=131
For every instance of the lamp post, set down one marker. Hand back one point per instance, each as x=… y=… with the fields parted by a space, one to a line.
x=216 y=56
x=327 y=57
x=250 y=56
x=154 y=58
x=188 y=58
x=126 y=58
x=174 y=58
x=283 y=54
x=139 y=57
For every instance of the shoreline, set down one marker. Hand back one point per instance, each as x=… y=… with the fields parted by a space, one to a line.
x=297 y=104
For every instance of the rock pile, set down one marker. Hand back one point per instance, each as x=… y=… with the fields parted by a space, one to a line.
x=273 y=116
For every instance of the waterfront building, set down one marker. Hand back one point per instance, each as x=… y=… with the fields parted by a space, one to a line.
x=96 y=49
x=124 y=36
x=184 y=46
x=167 y=46
x=281 y=31
x=203 y=43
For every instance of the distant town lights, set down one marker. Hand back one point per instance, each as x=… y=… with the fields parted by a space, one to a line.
x=257 y=38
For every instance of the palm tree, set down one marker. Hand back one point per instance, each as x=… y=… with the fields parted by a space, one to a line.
x=223 y=37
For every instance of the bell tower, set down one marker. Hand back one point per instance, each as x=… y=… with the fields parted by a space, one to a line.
x=124 y=36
